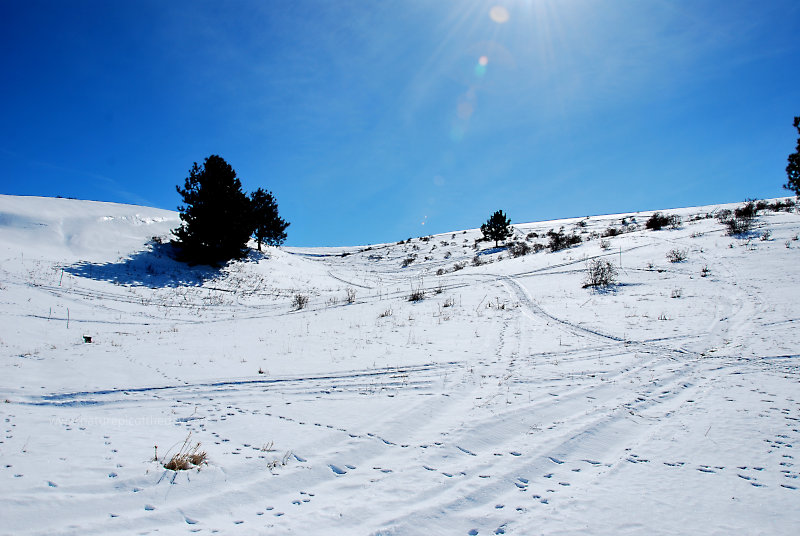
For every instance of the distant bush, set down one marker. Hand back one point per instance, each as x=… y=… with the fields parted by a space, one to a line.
x=746 y=211
x=600 y=273
x=560 y=240
x=779 y=205
x=408 y=260
x=416 y=295
x=518 y=249
x=677 y=255
x=459 y=266
x=740 y=220
x=351 y=295
x=299 y=301
x=739 y=226
x=657 y=221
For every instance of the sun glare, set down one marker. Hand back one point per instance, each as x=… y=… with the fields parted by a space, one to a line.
x=499 y=14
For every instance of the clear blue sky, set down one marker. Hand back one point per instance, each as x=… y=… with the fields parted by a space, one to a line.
x=375 y=121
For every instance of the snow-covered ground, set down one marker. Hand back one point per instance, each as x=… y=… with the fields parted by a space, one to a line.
x=510 y=400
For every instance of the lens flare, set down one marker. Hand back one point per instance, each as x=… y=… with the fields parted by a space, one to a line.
x=499 y=14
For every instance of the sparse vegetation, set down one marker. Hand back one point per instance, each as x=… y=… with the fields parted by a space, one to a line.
x=518 y=248
x=350 y=295
x=657 y=221
x=416 y=295
x=677 y=255
x=299 y=301
x=600 y=273
x=408 y=260
x=561 y=240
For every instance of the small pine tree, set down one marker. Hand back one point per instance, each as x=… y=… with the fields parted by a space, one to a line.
x=216 y=215
x=497 y=227
x=793 y=168
x=269 y=227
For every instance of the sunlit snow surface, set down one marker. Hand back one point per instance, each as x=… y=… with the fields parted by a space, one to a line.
x=509 y=401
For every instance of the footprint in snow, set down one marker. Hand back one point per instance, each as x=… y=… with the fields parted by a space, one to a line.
x=336 y=469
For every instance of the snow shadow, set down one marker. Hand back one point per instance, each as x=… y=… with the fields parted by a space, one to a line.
x=154 y=267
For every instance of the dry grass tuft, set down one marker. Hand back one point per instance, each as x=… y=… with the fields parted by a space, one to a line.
x=187 y=457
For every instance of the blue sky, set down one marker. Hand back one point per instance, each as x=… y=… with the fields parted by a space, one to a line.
x=374 y=121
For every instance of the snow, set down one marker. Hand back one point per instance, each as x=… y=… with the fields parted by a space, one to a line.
x=511 y=400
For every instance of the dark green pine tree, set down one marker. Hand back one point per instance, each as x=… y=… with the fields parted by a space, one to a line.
x=793 y=169
x=497 y=227
x=215 y=213
x=269 y=227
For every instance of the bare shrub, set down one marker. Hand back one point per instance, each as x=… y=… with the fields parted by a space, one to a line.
x=676 y=293
x=476 y=260
x=351 y=295
x=605 y=245
x=518 y=249
x=561 y=240
x=416 y=295
x=408 y=260
x=600 y=273
x=611 y=231
x=386 y=313
x=459 y=266
x=739 y=226
x=299 y=301
x=449 y=302
x=677 y=255
x=705 y=272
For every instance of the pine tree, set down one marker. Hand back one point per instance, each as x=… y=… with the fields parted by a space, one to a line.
x=793 y=168
x=497 y=227
x=269 y=227
x=216 y=217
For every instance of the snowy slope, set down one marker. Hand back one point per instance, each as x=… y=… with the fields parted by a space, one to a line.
x=510 y=400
